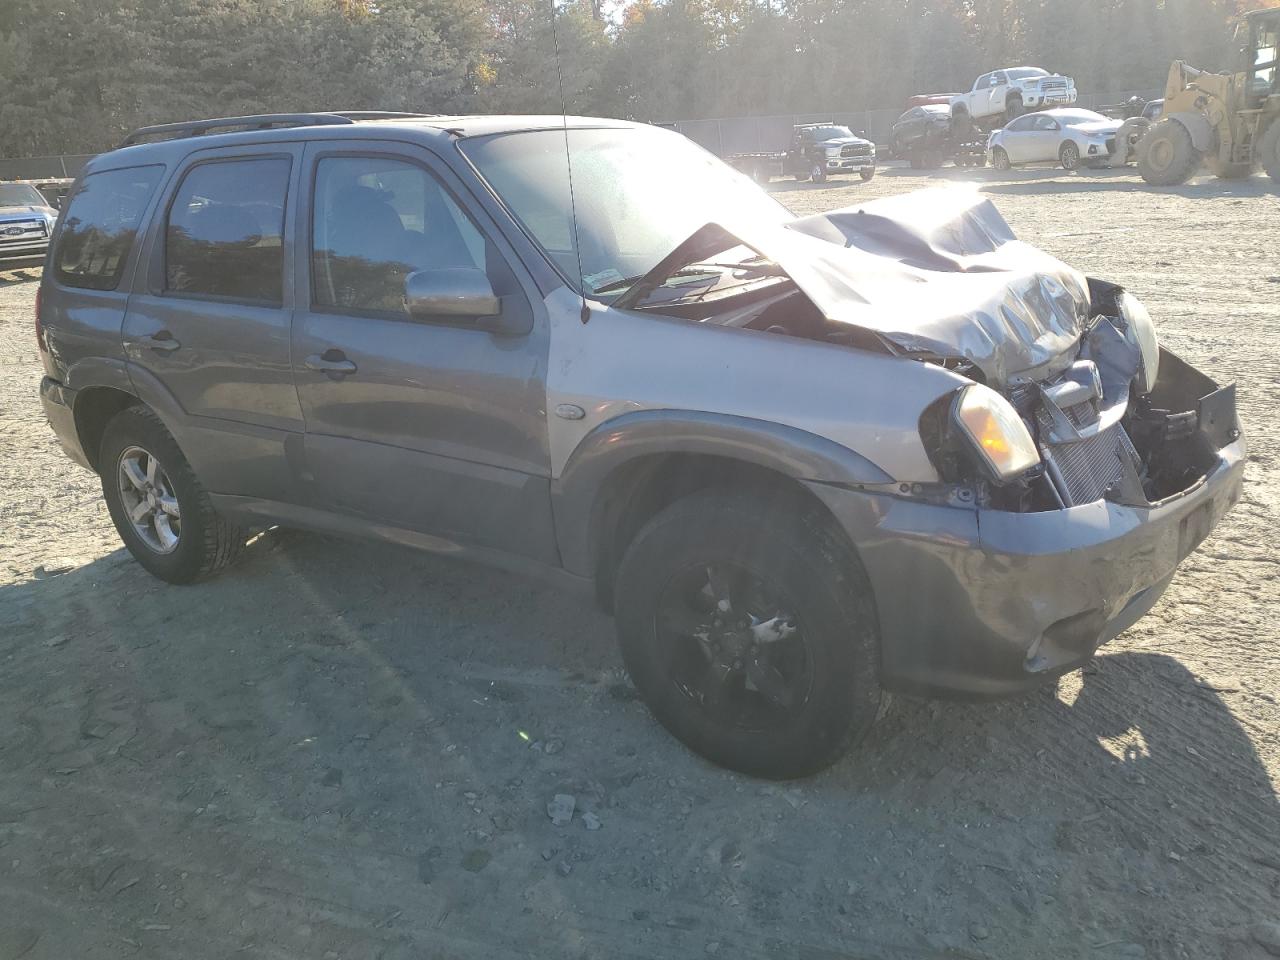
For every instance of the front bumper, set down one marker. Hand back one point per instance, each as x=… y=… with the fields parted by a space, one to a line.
x=851 y=164
x=1034 y=98
x=985 y=602
x=59 y=406
x=24 y=250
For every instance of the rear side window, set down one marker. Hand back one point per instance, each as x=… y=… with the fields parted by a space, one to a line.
x=224 y=237
x=100 y=225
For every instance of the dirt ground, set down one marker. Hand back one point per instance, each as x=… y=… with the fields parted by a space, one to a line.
x=341 y=750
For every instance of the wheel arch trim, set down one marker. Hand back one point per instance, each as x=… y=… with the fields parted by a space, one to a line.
x=791 y=452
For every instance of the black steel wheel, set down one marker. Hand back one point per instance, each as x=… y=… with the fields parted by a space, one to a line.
x=750 y=632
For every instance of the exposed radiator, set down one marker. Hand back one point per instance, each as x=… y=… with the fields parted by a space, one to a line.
x=1083 y=471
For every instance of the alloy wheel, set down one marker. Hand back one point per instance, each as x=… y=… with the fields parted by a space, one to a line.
x=149 y=500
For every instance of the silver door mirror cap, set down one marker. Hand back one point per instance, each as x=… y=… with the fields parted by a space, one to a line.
x=451 y=293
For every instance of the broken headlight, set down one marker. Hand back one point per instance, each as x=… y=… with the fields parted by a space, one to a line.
x=1141 y=333
x=996 y=432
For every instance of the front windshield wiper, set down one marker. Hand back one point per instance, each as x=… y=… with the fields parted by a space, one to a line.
x=753 y=265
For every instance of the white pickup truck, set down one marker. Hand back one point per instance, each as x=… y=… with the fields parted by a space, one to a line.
x=1005 y=94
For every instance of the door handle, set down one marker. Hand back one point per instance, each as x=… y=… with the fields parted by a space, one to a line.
x=162 y=341
x=332 y=362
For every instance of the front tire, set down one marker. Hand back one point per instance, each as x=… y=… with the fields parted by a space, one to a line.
x=1013 y=109
x=817 y=173
x=1000 y=159
x=161 y=510
x=751 y=633
x=1269 y=150
x=1166 y=155
x=866 y=175
x=1069 y=156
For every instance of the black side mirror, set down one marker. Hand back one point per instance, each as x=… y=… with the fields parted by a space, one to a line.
x=456 y=295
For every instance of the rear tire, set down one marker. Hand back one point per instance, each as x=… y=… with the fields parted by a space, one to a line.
x=692 y=675
x=185 y=538
x=1228 y=171
x=961 y=123
x=1166 y=155
x=1000 y=159
x=1269 y=150
x=866 y=175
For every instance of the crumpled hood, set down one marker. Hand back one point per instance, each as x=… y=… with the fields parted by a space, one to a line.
x=936 y=272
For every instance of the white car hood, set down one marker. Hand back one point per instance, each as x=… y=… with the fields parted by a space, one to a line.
x=937 y=273
x=1097 y=128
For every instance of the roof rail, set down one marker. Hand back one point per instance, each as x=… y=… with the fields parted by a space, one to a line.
x=266 y=121
x=382 y=115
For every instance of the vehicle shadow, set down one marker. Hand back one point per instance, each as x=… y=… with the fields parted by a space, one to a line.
x=350 y=747
x=20 y=271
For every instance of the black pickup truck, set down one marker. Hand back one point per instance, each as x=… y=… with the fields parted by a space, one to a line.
x=816 y=151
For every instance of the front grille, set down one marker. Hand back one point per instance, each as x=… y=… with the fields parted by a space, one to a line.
x=853 y=150
x=1053 y=85
x=22 y=231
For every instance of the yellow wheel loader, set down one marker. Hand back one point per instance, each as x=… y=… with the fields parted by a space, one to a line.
x=1231 y=122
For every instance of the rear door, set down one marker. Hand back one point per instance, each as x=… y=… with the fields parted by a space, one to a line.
x=1017 y=138
x=207 y=333
x=433 y=427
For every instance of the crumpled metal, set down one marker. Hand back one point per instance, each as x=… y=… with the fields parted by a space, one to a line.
x=937 y=273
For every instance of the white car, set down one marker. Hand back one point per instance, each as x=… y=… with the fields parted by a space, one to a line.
x=1069 y=137
x=1012 y=92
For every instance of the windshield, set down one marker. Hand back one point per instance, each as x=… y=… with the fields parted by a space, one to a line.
x=639 y=193
x=1026 y=73
x=20 y=195
x=830 y=133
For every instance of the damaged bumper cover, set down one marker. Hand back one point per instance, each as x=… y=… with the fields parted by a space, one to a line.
x=981 y=602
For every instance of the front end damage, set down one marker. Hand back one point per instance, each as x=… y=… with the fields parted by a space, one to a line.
x=1096 y=462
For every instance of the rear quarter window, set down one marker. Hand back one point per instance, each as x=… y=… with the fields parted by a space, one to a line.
x=101 y=225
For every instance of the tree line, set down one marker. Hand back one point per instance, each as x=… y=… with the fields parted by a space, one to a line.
x=76 y=75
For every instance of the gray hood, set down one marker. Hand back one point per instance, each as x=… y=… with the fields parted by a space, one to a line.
x=937 y=273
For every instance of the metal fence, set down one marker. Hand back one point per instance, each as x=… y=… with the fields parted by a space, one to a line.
x=729 y=135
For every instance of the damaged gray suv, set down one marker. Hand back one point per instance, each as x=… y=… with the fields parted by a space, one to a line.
x=803 y=461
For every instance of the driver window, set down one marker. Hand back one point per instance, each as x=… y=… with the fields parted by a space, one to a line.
x=375 y=221
x=982 y=81
x=1046 y=123
x=997 y=79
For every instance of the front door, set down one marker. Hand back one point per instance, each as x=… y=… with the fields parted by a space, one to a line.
x=430 y=427
x=207 y=329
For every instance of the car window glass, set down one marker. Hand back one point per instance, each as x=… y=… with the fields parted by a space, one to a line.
x=21 y=195
x=101 y=223
x=1046 y=123
x=376 y=221
x=1022 y=123
x=997 y=79
x=982 y=81
x=224 y=237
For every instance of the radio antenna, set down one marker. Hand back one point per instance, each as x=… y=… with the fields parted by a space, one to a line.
x=585 y=315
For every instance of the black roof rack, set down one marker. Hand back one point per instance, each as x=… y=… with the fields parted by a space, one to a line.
x=265 y=121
